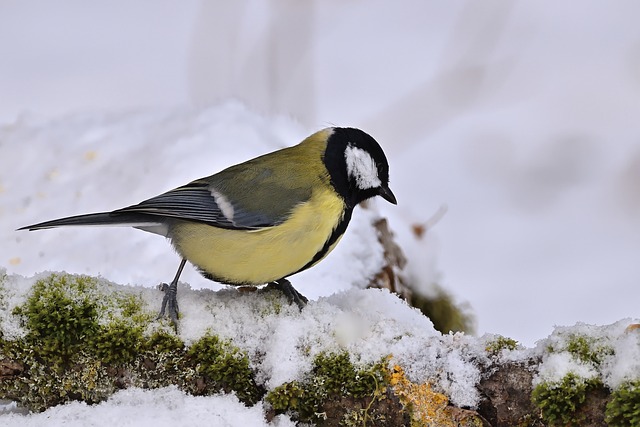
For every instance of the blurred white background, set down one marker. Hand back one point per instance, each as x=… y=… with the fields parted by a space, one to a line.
x=523 y=118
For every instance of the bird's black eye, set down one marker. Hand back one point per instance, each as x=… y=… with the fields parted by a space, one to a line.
x=382 y=169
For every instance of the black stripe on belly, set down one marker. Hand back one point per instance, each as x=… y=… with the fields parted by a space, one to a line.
x=335 y=235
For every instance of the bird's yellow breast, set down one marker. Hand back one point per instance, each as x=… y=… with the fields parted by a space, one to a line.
x=260 y=256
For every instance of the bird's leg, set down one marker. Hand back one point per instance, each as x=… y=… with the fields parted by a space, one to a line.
x=171 y=296
x=292 y=295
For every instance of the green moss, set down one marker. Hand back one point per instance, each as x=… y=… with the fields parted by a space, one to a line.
x=43 y=385
x=118 y=342
x=60 y=316
x=560 y=402
x=74 y=333
x=288 y=396
x=340 y=376
x=131 y=307
x=585 y=348
x=83 y=342
x=66 y=317
x=443 y=311
x=225 y=366
x=497 y=345
x=588 y=349
x=162 y=342
x=333 y=377
x=624 y=407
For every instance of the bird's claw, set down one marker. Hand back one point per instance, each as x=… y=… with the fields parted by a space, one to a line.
x=289 y=291
x=169 y=303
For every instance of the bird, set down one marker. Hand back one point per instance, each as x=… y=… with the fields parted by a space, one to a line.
x=263 y=220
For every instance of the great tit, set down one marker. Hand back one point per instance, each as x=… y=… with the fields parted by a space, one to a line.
x=263 y=220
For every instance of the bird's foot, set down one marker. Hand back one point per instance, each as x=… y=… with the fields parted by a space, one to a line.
x=288 y=290
x=170 y=303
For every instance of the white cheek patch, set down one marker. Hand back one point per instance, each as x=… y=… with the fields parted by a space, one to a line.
x=223 y=203
x=361 y=167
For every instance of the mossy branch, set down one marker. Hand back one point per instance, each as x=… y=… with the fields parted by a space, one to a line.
x=80 y=342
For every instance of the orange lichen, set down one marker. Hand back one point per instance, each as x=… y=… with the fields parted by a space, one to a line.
x=427 y=407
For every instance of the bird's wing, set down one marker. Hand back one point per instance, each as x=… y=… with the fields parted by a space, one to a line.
x=252 y=201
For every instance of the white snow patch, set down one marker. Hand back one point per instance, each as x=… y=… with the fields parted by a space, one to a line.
x=165 y=407
x=625 y=365
x=282 y=343
x=557 y=365
x=450 y=362
x=615 y=349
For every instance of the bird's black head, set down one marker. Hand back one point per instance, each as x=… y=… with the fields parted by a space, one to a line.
x=357 y=165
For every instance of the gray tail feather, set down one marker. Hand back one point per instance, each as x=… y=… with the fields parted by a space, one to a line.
x=102 y=218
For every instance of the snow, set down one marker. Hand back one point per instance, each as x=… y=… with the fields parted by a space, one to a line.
x=616 y=349
x=168 y=407
x=557 y=365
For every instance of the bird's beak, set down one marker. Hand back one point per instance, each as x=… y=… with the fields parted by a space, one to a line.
x=385 y=193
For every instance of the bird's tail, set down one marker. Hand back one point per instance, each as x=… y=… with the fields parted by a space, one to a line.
x=103 y=218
